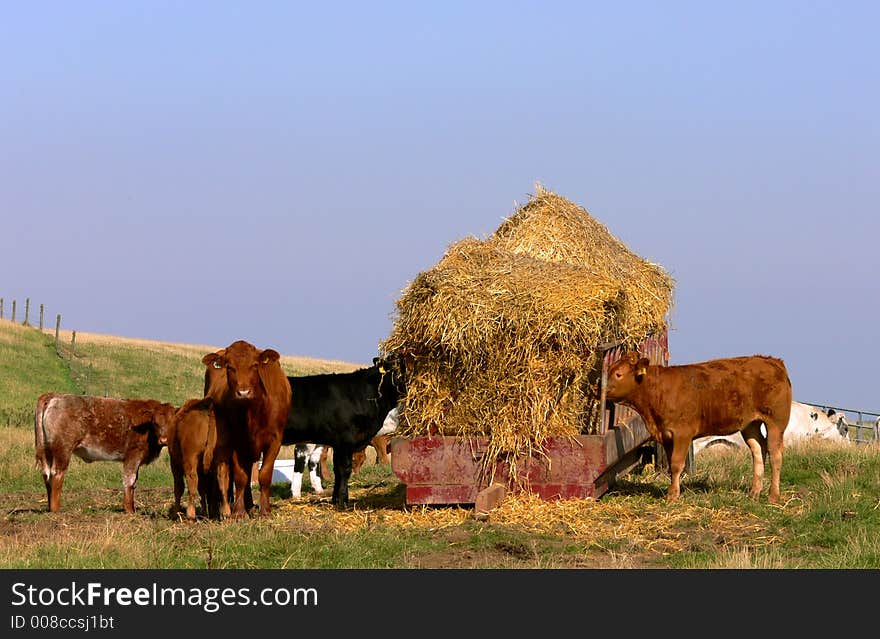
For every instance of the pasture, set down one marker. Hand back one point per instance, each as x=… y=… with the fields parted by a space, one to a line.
x=828 y=515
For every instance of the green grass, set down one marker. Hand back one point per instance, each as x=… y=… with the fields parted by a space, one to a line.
x=29 y=366
x=829 y=517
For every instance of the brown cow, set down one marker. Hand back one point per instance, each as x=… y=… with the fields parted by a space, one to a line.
x=131 y=431
x=199 y=453
x=718 y=397
x=253 y=405
x=380 y=444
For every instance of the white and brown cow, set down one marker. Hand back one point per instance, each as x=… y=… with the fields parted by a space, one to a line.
x=131 y=431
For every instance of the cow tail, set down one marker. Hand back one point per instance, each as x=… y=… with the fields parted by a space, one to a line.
x=42 y=455
x=210 y=444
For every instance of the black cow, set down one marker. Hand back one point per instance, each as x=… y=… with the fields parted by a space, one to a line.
x=342 y=410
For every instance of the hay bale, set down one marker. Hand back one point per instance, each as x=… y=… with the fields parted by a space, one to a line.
x=550 y=227
x=499 y=338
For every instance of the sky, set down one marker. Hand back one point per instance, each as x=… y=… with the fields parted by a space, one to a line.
x=203 y=172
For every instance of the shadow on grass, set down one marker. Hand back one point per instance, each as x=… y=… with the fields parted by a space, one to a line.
x=658 y=489
x=389 y=498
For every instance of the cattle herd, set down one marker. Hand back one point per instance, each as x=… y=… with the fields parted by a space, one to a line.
x=250 y=408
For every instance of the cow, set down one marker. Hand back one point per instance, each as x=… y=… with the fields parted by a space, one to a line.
x=131 y=431
x=199 y=453
x=843 y=424
x=252 y=401
x=717 y=397
x=805 y=422
x=342 y=410
x=303 y=455
x=379 y=442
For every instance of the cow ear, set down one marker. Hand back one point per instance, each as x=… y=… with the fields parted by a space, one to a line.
x=214 y=359
x=144 y=421
x=269 y=355
x=642 y=368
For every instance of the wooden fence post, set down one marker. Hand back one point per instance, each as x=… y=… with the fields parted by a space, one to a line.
x=27 y=310
x=13 y=310
x=72 y=343
x=41 y=318
x=57 y=328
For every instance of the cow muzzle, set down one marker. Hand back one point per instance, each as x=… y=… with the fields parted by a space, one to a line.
x=243 y=393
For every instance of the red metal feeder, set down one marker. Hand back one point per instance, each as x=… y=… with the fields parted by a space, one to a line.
x=449 y=470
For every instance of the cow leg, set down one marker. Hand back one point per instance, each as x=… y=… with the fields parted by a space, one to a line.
x=757 y=444
x=380 y=443
x=129 y=482
x=177 y=474
x=325 y=467
x=342 y=473
x=223 y=489
x=300 y=453
x=191 y=473
x=677 y=457
x=47 y=479
x=314 y=475
x=55 y=481
x=269 y=456
x=241 y=480
x=357 y=460
x=775 y=446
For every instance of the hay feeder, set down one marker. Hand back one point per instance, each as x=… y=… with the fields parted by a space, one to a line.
x=504 y=345
x=449 y=470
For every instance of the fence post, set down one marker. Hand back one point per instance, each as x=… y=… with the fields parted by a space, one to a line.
x=27 y=310
x=41 y=318
x=72 y=343
x=13 y=310
x=57 y=328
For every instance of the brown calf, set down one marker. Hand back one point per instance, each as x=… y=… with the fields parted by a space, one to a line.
x=718 y=397
x=380 y=443
x=131 y=431
x=199 y=453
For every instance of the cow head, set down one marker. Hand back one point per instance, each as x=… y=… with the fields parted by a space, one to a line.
x=248 y=370
x=391 y=370
x=625 y=375
x=157 y=422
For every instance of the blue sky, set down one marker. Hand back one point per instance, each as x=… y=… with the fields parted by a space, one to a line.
x=278 y=172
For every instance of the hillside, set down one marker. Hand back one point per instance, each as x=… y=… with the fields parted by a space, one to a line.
x=106 y=365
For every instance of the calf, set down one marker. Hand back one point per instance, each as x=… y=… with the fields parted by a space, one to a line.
x=199 y=453
x=310 y=455
x=379 y=442
x=131 y=431
x=718 y=397
x=342 y=410
x=252 y=401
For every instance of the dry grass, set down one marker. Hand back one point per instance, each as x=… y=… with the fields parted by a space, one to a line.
x=288 y=362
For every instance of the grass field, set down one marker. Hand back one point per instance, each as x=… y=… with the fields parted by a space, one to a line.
x=828 y=517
